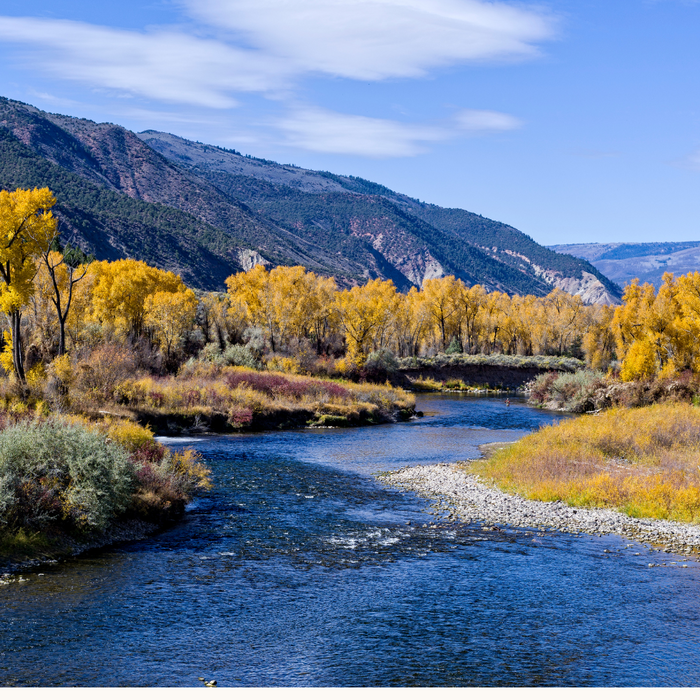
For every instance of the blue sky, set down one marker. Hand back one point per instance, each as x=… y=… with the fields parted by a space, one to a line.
x=572 y=121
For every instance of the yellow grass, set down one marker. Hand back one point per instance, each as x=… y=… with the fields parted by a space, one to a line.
x=202 y=393
x=644 y=462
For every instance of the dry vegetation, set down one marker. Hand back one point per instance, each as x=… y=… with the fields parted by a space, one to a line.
x=641 y=461
x=225 y=398
x=587 y=391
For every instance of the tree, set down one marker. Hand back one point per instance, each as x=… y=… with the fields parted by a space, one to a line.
x=120 y=292
x=443 y=298
x=365 y=314
x=65 y=268
x=170 y=314
x=27 y=227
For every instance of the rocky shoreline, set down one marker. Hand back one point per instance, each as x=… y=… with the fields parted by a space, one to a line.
x=462 y=496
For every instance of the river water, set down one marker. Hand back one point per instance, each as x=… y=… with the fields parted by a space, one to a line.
x=300 y=569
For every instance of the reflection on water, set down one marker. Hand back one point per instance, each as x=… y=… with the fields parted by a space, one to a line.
x=299 y=569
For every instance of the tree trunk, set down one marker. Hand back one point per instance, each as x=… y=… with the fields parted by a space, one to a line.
x=15 y=322
x=61 y=335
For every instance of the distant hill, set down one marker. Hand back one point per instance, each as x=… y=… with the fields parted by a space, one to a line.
x=206 y=212
x=623 y=262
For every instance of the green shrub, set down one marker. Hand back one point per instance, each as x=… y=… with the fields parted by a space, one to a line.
x=232 y=356
x=240 y=356
x=381 y=361
x=52 y=471
x=564 y=363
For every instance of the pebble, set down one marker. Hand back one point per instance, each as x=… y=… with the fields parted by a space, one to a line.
x=466 y=497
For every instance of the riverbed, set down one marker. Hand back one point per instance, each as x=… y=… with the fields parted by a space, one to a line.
x=300 y=568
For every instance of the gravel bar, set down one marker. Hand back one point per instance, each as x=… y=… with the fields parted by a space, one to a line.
x=465 y=497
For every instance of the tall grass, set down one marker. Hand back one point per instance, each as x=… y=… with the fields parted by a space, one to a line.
x=245 y=395
x=641 y=461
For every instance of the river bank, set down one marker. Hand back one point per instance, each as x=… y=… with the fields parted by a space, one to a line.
x=61 y=547
x=463 y=496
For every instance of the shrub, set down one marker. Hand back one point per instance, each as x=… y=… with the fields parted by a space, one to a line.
x=105 y=368
x=578 y=392
x=241 y=356
x=383 y=361
x=53 y=471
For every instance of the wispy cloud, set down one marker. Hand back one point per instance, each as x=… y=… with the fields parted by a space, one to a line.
x=236 y=47
x=690 y=162
x=162 y=65
x=478 y=121
x=325 y=131
x=275 y=42
x=377 y=39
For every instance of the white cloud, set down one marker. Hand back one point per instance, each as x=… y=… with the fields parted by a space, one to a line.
x=267 y=46
x=162 y=65
x=284 y=40
x=377 y=39
x=481 y=120
x=316 y=129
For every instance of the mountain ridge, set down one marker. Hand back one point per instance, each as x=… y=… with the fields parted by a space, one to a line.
x=207 y=212
x=623 y=262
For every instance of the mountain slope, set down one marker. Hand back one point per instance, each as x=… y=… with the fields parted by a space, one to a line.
x=455 y=241
x=623 y=262
x=207 y=212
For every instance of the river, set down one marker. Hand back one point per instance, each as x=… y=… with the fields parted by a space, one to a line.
x=300 y=569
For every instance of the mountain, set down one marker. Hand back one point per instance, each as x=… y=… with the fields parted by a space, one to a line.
x=207 y=212
x=623 y=262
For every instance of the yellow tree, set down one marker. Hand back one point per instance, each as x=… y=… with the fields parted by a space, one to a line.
x=365 y=314
x=288 y=302
x=320 y=309
x=443 y=299
x=661 y=320
x=599 y=339
x=688 y=321
x=492 y=319
x=27 y=227
x=628 y=325
x=472 y=300
x=251 y=292
x=647 y=333
x=120 y=291
x=219 y=322
x=565 y=318
x=170 y=315
x=411 y=323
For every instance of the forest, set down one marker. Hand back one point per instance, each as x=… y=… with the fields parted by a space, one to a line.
x=62 y=309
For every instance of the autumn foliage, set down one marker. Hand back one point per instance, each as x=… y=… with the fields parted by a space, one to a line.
x=116 y=320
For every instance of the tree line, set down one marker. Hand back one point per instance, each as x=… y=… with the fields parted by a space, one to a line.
x=57 y=300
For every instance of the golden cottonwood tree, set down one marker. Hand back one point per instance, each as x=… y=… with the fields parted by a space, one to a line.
x=599 y=340
x=250 y=292
x=170 y=315
x=443 y=299
x=471 y=300
x=365 y=315
x=120 y=291
x=411 y=323
x=288 y=302
x=27 y=227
